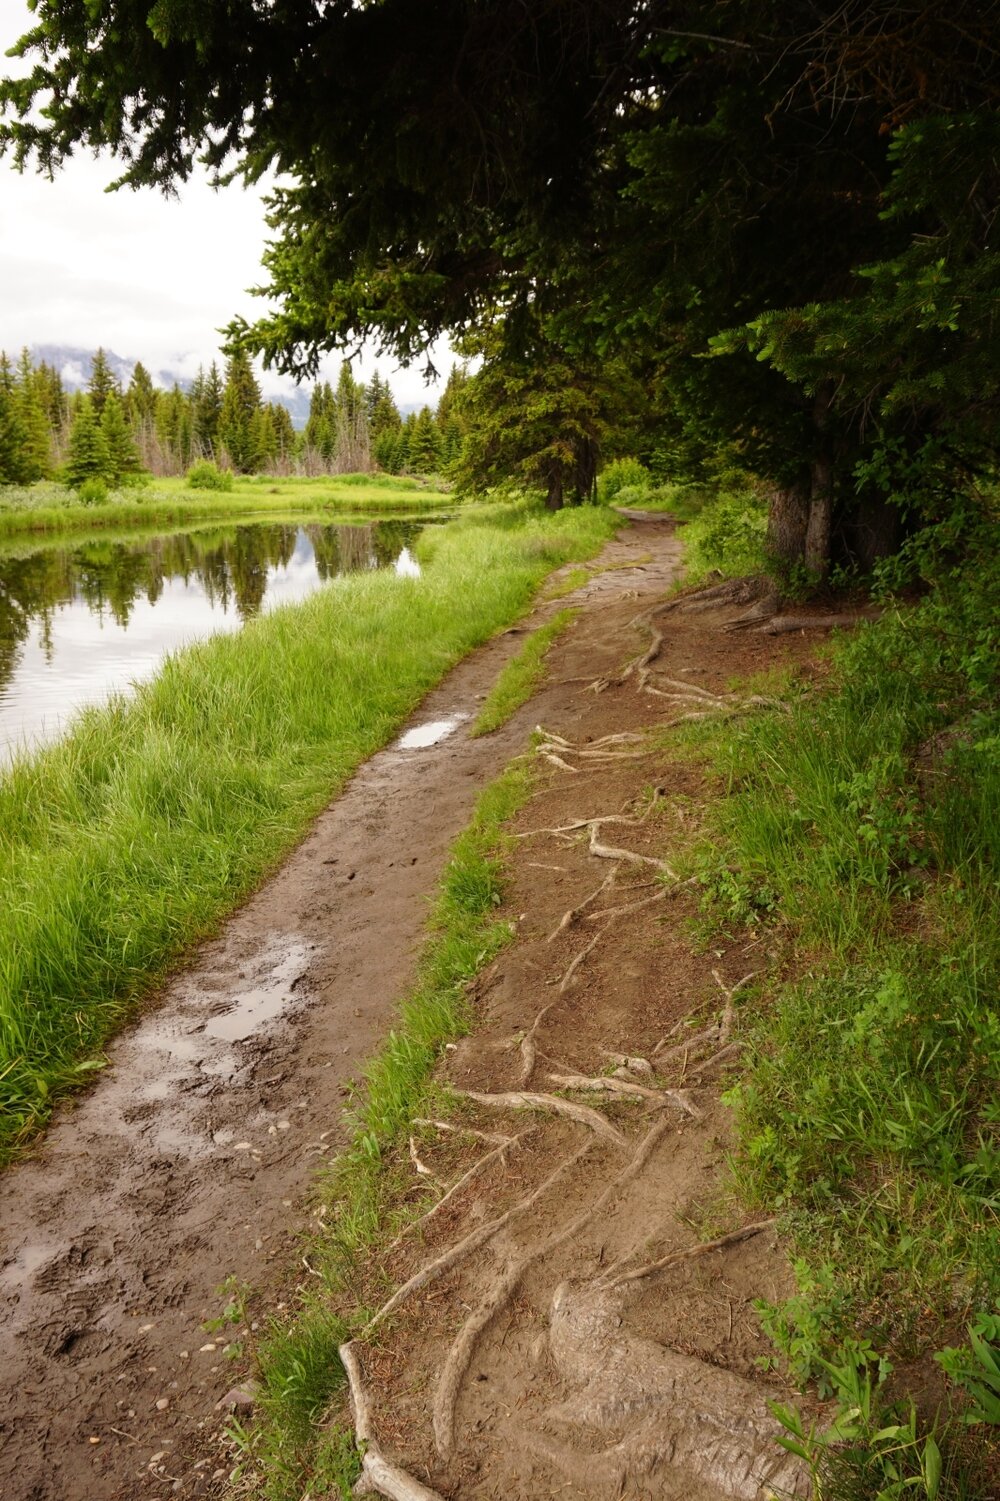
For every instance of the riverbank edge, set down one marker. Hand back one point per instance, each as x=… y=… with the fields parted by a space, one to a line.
x=162 y=510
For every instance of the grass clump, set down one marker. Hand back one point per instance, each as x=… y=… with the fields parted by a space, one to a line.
x=131 y=838
x=287 y=1450
x=521 y=676
x=205 y=475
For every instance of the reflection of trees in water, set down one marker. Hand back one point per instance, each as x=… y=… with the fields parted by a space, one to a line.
x=230 y=564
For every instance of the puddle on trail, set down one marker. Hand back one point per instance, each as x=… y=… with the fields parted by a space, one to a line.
x=179 y=1052
x=424 y=735
x=264 y=1003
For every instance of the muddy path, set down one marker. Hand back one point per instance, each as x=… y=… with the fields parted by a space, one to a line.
x=190 y=1161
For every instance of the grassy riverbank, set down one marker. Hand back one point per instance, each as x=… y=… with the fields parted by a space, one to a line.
x=132 y=837
x=49 y=507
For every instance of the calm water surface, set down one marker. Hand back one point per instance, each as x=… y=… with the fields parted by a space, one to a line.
x=83 y=619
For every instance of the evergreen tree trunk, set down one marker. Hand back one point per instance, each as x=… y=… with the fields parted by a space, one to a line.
x=787 y=523
x=554 y=499
x=816 y=554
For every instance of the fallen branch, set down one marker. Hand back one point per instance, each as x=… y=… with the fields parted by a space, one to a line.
x=457 y=1363
x=704 y=1249
x=471 y=1242
x=524 y=1100
x=381 y=1474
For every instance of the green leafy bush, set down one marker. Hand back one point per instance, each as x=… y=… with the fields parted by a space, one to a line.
x=622 y=474
x=205 y=475
x=93 y=492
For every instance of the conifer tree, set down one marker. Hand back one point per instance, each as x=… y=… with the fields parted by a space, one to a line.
x=424 y=444
x=123 y=462
x=88 y=449
x=206 y=401
x=140 y=398
x=102 y=383
x=240 y=400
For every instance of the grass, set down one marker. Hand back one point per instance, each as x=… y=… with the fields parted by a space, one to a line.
x=132 y=837
x=51 y=507
x=858 y=839
x=288 y=1451
x=519 y=679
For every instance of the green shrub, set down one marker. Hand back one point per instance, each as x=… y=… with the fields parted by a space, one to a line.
x=205 y=475
x=93 y=492
x=622 y=474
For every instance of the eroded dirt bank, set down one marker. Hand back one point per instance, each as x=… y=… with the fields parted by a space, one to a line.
x=188 y=1162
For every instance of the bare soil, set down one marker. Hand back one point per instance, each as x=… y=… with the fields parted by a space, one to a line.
x=190 y=1161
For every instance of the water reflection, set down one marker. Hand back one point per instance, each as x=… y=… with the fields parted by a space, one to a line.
x=79 y=620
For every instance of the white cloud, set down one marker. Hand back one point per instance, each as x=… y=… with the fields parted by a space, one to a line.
x=150 y=277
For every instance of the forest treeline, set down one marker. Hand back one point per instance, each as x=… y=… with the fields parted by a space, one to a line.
x=114 y=434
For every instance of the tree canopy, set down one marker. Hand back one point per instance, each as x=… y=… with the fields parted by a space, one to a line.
x=779 y=215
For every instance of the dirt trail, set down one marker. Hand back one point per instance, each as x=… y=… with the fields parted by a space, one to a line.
x=536 y=1363
x=189 y=1161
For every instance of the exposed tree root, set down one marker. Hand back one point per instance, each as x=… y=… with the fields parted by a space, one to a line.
x=457 y=1363
x=570 y=917
x=780 y=625
x=570 y=973
x=471 y=1242
x=623 y=1087
x=529 y=1051
x=647 y=901
x=675 y=1411
x=498 y=1153
x=492 y=1138
x=704 y=1249
x=525 y=1100
x=631 y=1065
x=379 y=1473
x=422 y=1169
x=555 y=760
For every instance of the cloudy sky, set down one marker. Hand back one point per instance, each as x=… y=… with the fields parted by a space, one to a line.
x=148 y=277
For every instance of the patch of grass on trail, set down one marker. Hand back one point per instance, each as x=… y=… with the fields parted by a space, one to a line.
x=519 y=679
x=131 y=838
x=52 y=507
x=288 y=1449
x=861 y=837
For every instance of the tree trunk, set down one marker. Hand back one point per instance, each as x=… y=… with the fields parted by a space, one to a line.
x=787 y=520
x=816 y=553
x=554 y=499
x=817 y=540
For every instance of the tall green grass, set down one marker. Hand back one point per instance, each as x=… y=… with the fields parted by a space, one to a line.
x=132 y=837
